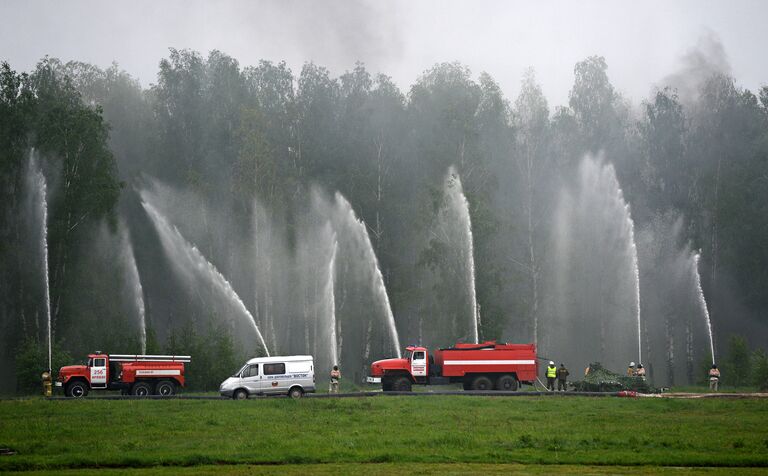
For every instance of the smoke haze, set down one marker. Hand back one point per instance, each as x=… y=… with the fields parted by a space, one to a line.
x=641 y=42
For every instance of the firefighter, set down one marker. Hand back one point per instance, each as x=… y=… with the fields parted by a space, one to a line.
x=335 y=377
x=640 y=371
x=551 y=376
x=562 y=378
x=47 y=383
x=631 y=372
x=714 y=378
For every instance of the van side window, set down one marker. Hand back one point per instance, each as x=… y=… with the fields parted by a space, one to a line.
x=418 y=355
x=251 y=371
x=274 y=369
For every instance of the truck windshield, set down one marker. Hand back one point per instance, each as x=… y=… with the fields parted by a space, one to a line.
x=407 y=355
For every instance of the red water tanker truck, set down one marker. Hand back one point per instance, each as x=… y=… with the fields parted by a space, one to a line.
x=139 y=375
x=485 y=366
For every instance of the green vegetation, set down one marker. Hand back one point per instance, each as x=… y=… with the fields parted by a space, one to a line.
x=444 y=434
x=251 y=141
x=373 y=469
x=600 y=379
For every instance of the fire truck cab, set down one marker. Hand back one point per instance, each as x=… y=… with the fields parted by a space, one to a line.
x=139 y=375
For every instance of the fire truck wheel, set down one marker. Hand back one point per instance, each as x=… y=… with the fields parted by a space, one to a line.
x=141 y=389
x=507 y=383
x=165 y=388
x=401 y=384
x=77 y=390
x=295 y=393
x=482 y=382
x=240 y=395
x=386 y=384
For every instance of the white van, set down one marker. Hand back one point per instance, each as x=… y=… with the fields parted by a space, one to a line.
x=290 y=375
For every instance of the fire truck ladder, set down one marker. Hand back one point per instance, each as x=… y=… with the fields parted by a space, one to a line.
x=153 y=358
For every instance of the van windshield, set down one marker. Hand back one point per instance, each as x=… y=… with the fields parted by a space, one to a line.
x=237 y=374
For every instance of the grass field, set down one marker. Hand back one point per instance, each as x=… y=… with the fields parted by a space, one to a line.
x=383 y=435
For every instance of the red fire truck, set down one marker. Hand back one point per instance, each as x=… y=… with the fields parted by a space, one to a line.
x=485 y=366
x=139 y=375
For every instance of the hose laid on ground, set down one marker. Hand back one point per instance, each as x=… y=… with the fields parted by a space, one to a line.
x=542 y=384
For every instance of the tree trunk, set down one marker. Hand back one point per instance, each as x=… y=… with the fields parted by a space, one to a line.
x=379 y=192
x=689 y=351
x=532 y=263
x=669 y=329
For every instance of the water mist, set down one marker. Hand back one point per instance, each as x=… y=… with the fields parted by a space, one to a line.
x=134 y=283
x=458 y=205
x=597 y=276
x=40 y=187
x=190 y=261
x=346 y=218
x=703 y=303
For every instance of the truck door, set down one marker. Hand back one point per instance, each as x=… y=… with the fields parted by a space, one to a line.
x=419 y=364
x=99 y=373
x=251 y=379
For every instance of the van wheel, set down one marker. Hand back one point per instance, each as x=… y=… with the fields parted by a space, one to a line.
x=165 y=388
x=141 y=389
x=240 y=395
x=482 y=383
x=401 y=384
x=295 y=393
x=77 y=389
x=507 y=383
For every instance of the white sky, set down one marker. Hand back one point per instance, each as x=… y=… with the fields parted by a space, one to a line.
x=642 y=41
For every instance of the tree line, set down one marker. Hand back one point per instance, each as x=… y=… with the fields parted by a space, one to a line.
x=233 y=134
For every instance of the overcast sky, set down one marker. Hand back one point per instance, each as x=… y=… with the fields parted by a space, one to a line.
x=643 y=42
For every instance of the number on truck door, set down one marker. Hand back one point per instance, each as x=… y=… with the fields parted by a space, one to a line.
x=99 y=373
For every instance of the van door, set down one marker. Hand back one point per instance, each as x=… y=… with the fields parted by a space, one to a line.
x=99 y=373
x=251 y=379
x=300 y=373
x=275 y=380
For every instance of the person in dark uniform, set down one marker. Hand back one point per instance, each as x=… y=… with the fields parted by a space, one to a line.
x=562 y=378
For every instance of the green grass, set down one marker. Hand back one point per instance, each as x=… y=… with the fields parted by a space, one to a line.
x=383 y=432
x=376 y=469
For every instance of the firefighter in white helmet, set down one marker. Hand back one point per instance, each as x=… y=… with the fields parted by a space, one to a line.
x=551 y=376
x=631 y=372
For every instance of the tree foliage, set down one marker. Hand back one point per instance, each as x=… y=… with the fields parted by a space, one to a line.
x=241 y=136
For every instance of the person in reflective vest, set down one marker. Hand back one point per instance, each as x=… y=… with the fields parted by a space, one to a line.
x=551 y=376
